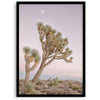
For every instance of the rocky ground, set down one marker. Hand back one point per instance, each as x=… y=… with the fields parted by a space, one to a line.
x=54 y=86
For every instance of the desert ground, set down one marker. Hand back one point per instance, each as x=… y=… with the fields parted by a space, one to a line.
x=54 y=86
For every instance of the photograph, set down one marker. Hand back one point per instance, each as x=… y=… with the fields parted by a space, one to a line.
x=50 y=49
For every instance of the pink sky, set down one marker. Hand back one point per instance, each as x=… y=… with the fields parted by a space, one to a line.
x=64 y=18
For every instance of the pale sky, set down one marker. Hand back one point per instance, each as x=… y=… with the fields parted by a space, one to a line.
x=66 y=19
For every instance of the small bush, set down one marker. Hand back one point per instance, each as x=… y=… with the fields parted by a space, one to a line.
x=20 y=84
x=50 y=84
x=39 y=83
x=56 y=79
x=49 y=79
x=60 y=81
x=70 y=85
x=53 y=83
x=75 y=88
x=30 y=89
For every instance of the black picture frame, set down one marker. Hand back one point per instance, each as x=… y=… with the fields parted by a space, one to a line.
x=17 y=48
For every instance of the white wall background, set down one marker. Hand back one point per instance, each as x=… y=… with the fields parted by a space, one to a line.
x=8 y=54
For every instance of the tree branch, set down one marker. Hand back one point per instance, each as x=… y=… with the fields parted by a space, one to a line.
x=53 y=54
x=68 y=55
x=68 y=60
x=33 y=67
x=49 y=57
x=51 y=60
x=59 y=57
x=42 y=35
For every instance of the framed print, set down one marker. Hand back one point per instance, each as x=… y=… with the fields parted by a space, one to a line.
x=50 y=49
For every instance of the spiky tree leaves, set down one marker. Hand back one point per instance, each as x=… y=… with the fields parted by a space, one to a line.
x=34 y=53
x=26 y=50
x=67 y=49
x=37 y=59
x=58 y=34
x=54 y=31
x=48 y=28
x=39 y=24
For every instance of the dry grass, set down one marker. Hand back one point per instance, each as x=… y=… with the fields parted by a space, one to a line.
x=39 y=83
x=54 y=86
x=54 y=82
x=60 y=81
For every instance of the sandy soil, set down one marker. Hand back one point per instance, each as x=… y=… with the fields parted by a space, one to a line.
x=54 y=86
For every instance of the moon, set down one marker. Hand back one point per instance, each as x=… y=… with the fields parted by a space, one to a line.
x=42 y=11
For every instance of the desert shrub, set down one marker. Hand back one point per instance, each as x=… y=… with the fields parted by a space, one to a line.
x=49 y=79
x=56 y=79
x=54 y=82
x=70 y=85
x=39 y=83
x=50 y=84
x=20 y=84
x=60 y=81
x=75 y=87
x=30 y=89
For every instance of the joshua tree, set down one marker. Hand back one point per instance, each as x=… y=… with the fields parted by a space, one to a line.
x=30 y=56
x=53 y=46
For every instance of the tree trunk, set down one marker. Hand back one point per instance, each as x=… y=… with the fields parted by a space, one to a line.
x=27 y=73
x=38 y=73
x=27 y=78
